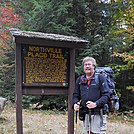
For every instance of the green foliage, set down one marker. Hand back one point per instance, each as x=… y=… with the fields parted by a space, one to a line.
x=107 y=25
x=52 y=16
x=8 y=18
x=46 y=102
x=7 y=75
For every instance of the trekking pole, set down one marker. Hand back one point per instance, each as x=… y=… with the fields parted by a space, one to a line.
x=89 y=127
x=76 y=121
x=89 y=120
x=76 y=113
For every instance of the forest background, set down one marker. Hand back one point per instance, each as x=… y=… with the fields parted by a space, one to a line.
x=107 y=24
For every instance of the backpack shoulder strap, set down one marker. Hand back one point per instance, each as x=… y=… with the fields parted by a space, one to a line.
x=83 y=79
x=97 y=80
x=82 y=76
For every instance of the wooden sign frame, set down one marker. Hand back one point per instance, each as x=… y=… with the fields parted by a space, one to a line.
x=48 y=40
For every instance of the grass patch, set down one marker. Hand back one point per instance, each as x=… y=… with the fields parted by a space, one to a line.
x=55 y=122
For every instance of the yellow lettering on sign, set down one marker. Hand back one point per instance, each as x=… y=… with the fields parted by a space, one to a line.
x=51 y=50
x=41 y=49
x=45 y=64
x=33 y=49
x=40 y=55
x=58 y=50
x=30 y=54
x=56 y=56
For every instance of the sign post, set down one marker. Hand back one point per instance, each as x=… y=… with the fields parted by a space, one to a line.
x=45 y=65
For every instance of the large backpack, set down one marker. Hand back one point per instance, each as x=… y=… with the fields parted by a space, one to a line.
x=108 y=73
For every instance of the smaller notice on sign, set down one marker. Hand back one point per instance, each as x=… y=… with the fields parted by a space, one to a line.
x=45 y=65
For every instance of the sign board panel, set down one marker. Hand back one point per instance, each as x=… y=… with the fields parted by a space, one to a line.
x=45 y=65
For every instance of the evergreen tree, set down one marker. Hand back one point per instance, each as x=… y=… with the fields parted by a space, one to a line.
x=8 y=18
x=108 y=25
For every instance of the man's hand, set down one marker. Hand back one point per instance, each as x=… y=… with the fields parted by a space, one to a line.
x=76 y=106
x=91 y=104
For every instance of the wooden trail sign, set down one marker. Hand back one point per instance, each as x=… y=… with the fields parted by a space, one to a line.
x=44 y=65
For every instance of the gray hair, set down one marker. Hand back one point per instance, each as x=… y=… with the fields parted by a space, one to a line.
x=89 y=59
